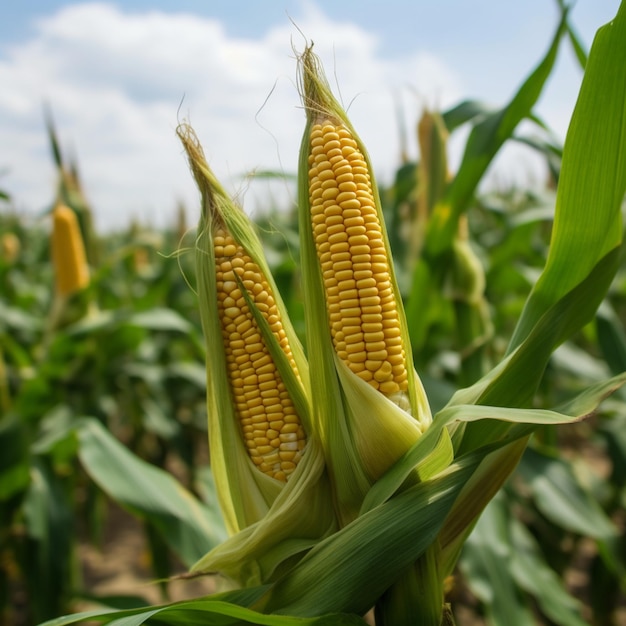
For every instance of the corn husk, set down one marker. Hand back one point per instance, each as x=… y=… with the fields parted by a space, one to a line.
x=363 y=432
x=270 y=520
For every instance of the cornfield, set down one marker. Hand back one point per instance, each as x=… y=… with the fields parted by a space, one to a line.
x=385 y=405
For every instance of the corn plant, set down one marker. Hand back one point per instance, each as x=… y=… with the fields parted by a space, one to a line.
x=88 y=357
x=351 y=494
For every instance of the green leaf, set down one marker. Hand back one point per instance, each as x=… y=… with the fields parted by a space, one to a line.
x=575 y=410
x=579 y=48
x=587 y=223
x=614 y=432
x=52 y=136
x=155 y=420
x=466 y=111
x=189 y=527
x=337 y=574
x=485 y=140
x=533 y=574
x=192 y=372
x=206 y=611
x=550 y=149
x=17 y=319
x=486 y=564
x=611 y=338
x=513 y=382
x=14 y=460
x=160 y=319
x=48 y=526
x=503 y=563
x=561 y=498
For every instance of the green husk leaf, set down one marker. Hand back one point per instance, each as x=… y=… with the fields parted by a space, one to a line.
x=275 y=520
x=300 y=515
x=382 y=431
x=575 y=410
x=337 y=574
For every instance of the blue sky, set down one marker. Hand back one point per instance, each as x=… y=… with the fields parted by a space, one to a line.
x=115 y=75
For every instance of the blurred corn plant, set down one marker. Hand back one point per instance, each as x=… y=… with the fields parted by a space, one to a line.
x=70 y=191
x=371 y=503
x=101 y=378
x=130 y=371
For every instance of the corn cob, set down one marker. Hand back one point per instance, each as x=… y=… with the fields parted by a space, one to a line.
x=68 y=252
x=271 y=428
x=361 y=305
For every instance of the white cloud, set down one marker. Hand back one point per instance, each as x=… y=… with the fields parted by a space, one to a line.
x=115 y=82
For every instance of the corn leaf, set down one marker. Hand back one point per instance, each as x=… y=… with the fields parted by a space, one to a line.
x=216 y=611
x=338 y=573
x=48 y=528
x=533 y=574
x=561 y=498
x=14 y=461
x=504 y=567
x=611 y=338
x=591 y=188
x=52 y=136
x=550 y=149
x=490 y=131
x=160 y=319
x=486 y=562
x=486 y=138
x=466 y=111
x=577 y=45
x=575 y=410
x=614 y=432
x=188 y=526
x=513 y=382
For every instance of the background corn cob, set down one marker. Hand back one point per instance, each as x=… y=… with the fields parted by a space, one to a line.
x=68 y=252
x=9 y=247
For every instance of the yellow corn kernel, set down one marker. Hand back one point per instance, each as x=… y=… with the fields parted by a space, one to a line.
x=273 y=438
x=68 y=252
x=359 y=295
